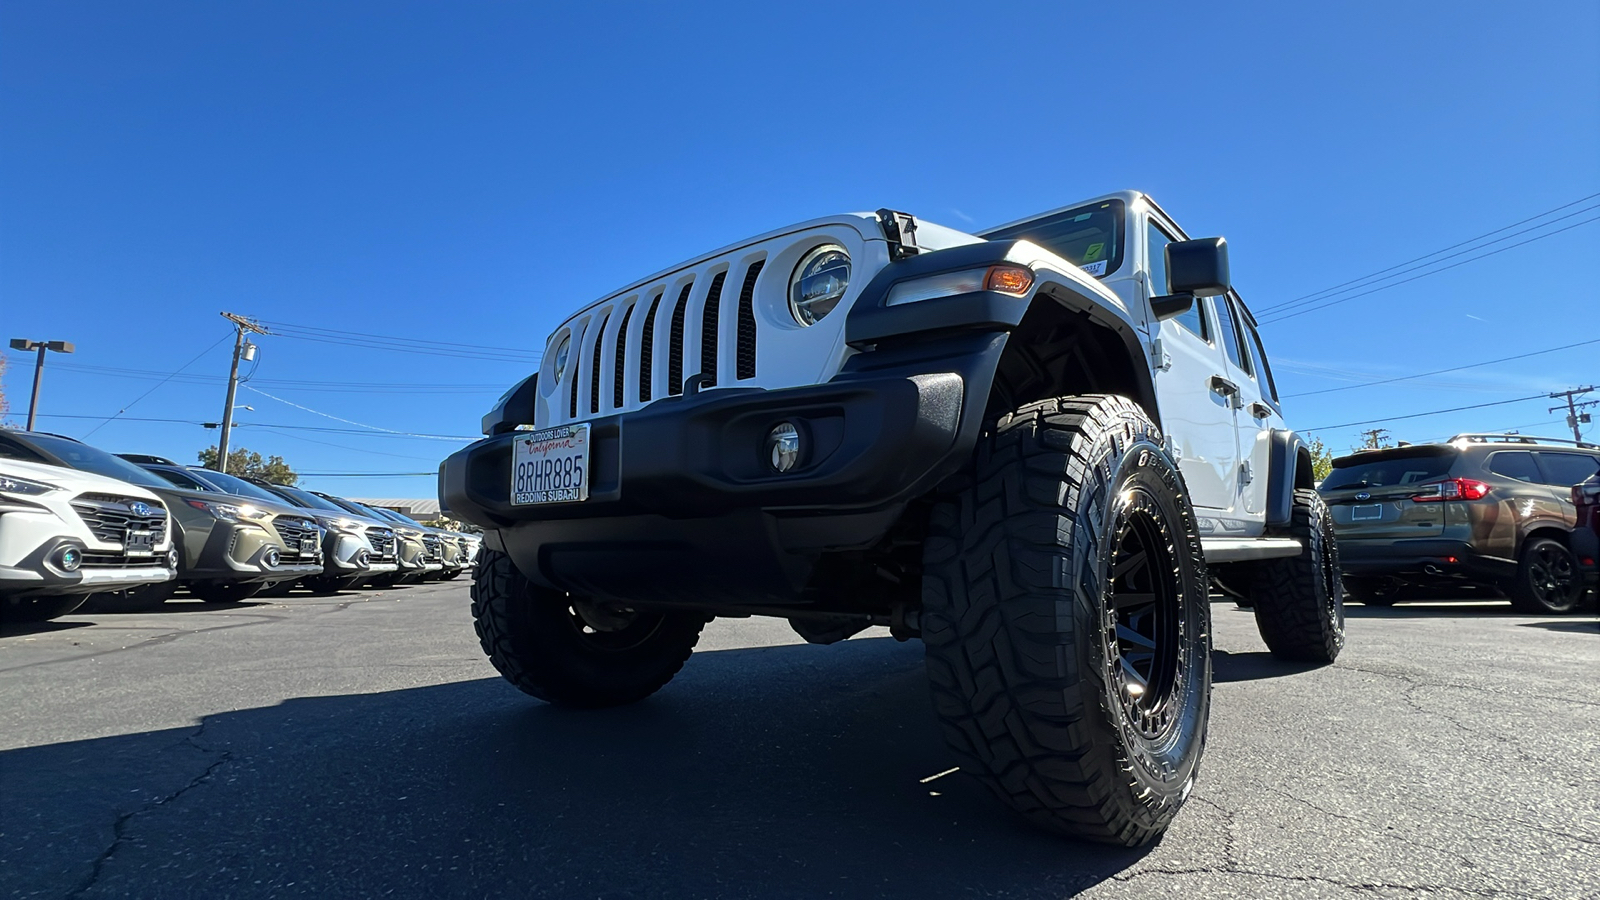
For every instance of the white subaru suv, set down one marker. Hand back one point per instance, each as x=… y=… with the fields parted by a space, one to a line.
x=66 y=534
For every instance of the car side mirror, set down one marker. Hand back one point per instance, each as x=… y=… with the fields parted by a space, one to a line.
x=1198 y=267
x=1171 y=305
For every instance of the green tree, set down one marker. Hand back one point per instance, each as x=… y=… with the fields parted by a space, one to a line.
x=249 y=464
x=1321 y=460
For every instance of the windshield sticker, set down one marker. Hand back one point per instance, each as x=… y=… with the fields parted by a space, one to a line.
x=1094 y=251
x=1095 y=268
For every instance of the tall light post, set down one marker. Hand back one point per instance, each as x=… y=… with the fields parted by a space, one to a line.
x=38 y=367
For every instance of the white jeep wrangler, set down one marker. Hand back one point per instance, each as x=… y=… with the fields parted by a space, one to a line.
x=1025 y=446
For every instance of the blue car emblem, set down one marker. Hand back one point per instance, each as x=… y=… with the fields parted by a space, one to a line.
x=1363 y=496
x=141 y=509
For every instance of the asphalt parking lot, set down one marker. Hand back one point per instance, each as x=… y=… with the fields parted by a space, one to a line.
x=360 y=745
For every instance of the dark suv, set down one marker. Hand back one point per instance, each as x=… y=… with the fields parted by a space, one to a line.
x=1478 y=509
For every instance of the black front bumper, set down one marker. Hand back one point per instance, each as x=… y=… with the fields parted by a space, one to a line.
x=683 y=506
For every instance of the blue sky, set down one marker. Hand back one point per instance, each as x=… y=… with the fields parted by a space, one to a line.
x=468 y=173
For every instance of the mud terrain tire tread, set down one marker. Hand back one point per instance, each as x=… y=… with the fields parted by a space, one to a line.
x=1023 y=696
x=520 y=627
x=1294 y=612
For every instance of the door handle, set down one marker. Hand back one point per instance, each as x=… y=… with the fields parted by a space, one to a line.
x=1223 y=386
x=1260 y=410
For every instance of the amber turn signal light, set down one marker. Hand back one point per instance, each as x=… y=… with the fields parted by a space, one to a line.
x=1008 y=279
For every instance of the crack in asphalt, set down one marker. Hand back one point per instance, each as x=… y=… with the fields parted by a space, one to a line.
x=1416 y=681
x=119 y=828
x=1368 y=886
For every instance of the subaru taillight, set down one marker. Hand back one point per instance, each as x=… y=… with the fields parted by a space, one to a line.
x=1454 y=489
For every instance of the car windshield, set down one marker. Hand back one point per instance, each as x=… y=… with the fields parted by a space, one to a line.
x=1389 y=469
x=93 y=459
x=184 y=480
x=1089 y=237
x=307 y=499
x=236 y=486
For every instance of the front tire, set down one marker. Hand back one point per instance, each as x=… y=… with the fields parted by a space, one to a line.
x=1066 y=620
x=1299 y=600
x=1547 y=581
x=570 y=651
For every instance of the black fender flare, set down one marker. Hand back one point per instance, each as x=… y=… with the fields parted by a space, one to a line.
x=1289 y=469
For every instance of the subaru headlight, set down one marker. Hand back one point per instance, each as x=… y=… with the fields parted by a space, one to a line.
x=230 y=512
x=22 y=486
x=818 y=283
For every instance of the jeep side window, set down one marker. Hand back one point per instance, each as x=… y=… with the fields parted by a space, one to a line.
x=1516 y=464
x=1567 y=469
x=1157 y=251
x=1230 y=333
x=1262 y=365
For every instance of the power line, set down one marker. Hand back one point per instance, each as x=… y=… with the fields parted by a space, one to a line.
x=163 y=381
x=1287 y=303
x=290 y=384
x=367 y=474
x=365 y=450
x=1351 y=387
x=340 y=332
x=274 y=425
x=410 y=345
x=1432 y=412
x=1338 y=300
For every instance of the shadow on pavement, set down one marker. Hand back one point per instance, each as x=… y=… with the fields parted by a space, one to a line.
x=1581 y=626
x=1252 y=666
x=790 y=771
x=1430 y=608
x=22 y=629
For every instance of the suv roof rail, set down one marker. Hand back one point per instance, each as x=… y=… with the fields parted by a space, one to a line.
x=1475 y=438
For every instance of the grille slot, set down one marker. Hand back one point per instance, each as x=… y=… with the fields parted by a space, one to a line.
x=745 y=364
x=109 y=516
x=572 y=380
x=675 y=343
x=118 y=561
x=432 y=549
x=622 y=358
x=594 y=369
x=708 y=331
x=647 y=346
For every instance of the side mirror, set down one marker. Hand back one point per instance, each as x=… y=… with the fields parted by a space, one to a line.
x=1171 y=305
x=1198 y=267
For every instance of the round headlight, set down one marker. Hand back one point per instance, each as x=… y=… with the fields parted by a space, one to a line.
x=818 y=283
x=562 y=352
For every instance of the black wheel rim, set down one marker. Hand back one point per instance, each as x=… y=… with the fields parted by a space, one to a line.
x=1143 y=599
x=1552 y=575
x=610 y=628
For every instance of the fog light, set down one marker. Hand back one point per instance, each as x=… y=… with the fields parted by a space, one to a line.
x=172 y=558
x=272 y=558
x=68 y=559
x=783 y=446
x=362 y=558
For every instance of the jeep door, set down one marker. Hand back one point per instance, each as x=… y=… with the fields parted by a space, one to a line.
x=1253 y=417
x=1197 y=410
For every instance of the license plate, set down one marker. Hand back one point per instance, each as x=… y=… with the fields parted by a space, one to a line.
x=308 y=546
x=551 y=466
x=1370 y=513
x=139 y=542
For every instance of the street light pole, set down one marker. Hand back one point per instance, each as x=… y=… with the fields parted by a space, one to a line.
x=38 y=367
x=244 y=325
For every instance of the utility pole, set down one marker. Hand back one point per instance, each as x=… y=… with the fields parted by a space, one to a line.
x=1375 y=437
x=1574 y=418
x=38 y=367
x=247 y=350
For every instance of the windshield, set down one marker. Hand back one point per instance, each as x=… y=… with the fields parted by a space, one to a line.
x=307 y=499
x=1090 y=236
x=1389 y=470
x=93 y=459
x=184 y=480
x=231 y=484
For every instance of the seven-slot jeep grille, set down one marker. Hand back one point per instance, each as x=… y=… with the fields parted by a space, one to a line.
x=110 y=516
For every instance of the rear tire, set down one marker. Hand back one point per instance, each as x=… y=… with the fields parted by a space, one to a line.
x=1547 y=581
x=1066 y=620
x=39 y=609
x=570 y=652
x=143 y=598
x=225 y=591
x=1299 y=600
